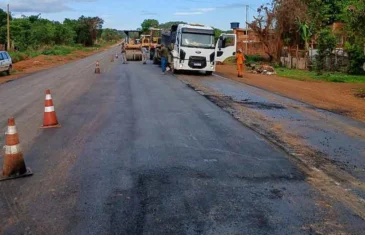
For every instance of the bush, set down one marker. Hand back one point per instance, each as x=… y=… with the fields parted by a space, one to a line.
x=254 y=58
x=356 y=59
x=32 y=54
x=58 y=50
x=230 y=60
x=17 y=56
x=326 y=43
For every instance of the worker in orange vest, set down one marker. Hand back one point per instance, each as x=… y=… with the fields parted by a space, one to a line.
x=240 y=62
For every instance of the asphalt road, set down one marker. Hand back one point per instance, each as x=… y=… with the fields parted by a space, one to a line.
x=141 y=153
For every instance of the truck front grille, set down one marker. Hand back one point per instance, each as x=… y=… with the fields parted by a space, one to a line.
x=197 y=62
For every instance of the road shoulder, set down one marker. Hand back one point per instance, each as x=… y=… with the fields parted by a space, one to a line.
x=329 y=175
x=334 y=97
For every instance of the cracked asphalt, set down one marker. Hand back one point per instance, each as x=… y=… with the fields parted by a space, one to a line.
x=142 y=153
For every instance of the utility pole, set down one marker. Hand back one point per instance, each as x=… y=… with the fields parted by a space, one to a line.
x=246 y=29
x=8 y=28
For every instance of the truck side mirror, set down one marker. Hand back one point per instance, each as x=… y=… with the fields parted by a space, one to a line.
x=220 y=44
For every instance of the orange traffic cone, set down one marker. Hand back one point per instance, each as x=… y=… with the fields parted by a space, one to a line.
x=97 y=67
x=112 y=59
x=14 y=165
x=50 y=118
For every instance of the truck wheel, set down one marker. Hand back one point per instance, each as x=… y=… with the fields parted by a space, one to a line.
x=173 y=70
x=208 y=73
x=9 y=70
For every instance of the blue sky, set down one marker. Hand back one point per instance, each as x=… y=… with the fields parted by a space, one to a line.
x=128 y=14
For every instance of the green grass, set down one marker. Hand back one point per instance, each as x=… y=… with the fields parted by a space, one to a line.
x=230 y=60
x=59 y=50
x=250 y=59
x=54 y=50
x=17 y=56
x=303 y=75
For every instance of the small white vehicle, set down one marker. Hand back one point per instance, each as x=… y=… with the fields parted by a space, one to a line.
x=6 y=63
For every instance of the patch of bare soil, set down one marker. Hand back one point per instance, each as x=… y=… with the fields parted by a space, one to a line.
x=322 y=173
x=336 y=97
x=43 y=62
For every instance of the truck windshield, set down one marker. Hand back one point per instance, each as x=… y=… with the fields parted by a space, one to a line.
x=197 y=40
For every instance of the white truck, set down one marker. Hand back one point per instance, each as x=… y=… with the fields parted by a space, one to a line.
x=192 y=47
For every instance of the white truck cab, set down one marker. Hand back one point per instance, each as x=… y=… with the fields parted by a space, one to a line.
x=193 y=48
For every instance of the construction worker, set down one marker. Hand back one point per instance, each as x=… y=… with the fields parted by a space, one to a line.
x=164 y=56
x=144 y=55
x=124 y=54
x=240 y=58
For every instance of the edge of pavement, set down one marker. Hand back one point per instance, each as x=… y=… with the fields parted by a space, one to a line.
x=324 y=176
x=353 y=112
x=10 y=78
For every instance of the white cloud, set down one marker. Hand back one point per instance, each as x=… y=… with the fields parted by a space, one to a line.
x=195 y=11
x=200 y=11
x=41 y=6
x=187 y=13
x=205 y=9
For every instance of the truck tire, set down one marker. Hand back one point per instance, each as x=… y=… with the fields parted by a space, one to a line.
x=208 y=73
x=173 y=70
x=9 y=70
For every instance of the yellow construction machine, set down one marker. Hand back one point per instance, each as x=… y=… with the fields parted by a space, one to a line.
x=155 y=41
x=133 y=45
x=145 y=40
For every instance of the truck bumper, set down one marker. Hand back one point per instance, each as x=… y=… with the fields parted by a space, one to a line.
x=184 y=65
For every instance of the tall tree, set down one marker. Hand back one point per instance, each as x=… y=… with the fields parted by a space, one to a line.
x=148 y=23
x=167 y=25
x=3 y=21
x=354 y=15
x=264 y=27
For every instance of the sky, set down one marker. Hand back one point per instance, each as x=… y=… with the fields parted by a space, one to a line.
x=129 y=14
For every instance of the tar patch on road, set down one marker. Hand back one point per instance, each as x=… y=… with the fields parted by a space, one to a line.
x=247 y=103
x=260 y=105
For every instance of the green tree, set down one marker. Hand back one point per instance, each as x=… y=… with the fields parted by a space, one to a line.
x=167 y=25
x=326 y=43
x=21 y=30
x=305 y=33
x=87 y=29
x=3 y=20
x=110 y=35
x=63 y=35
x=354 y=15
x=42 y=32
x=148 y=23
x=73 y=26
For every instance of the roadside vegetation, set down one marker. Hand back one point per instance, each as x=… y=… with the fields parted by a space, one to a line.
x=147 y=23
x=58 y=50
x=32 y=36
x=326 y=25
x=304 y=75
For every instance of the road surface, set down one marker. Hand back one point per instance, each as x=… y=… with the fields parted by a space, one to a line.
x=142 y=153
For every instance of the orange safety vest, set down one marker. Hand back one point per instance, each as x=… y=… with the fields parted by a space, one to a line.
x=240 y=58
